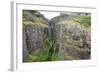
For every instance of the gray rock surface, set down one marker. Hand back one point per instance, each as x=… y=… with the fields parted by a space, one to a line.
x=34 y=25
x=74 y=40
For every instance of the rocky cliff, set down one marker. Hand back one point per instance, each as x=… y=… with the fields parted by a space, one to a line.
x=65 y=37
x=74 y=37
x=34 y=25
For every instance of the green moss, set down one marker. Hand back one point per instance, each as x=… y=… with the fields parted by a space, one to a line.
x=38 y=24
x=32 y=17
x=83 y=20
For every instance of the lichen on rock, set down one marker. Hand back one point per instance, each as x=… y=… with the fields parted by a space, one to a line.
x=64 y=37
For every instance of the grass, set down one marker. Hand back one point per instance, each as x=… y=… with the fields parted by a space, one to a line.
x=28 y=23
x=55 y=57
x=83 y=20
x=42 y=55
x=46 y=53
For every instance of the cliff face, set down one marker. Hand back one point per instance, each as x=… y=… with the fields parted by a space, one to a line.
x=65 y=37
x=74 y=38
x=34 y=25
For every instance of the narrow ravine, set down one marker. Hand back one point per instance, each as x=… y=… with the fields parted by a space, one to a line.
x=64 y=37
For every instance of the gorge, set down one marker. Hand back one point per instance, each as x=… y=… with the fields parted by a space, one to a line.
x=63 y=37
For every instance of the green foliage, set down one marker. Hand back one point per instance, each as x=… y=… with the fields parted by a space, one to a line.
x=40 y=56
x=49 y=50
x=55 y=57
x=83 y=20
x=44 y=52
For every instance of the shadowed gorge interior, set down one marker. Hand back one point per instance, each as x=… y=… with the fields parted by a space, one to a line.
x=66 y=36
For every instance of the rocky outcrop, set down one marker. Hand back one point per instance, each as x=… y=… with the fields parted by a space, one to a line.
x=60 y=38
x=34 y=25
x=74 y=39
